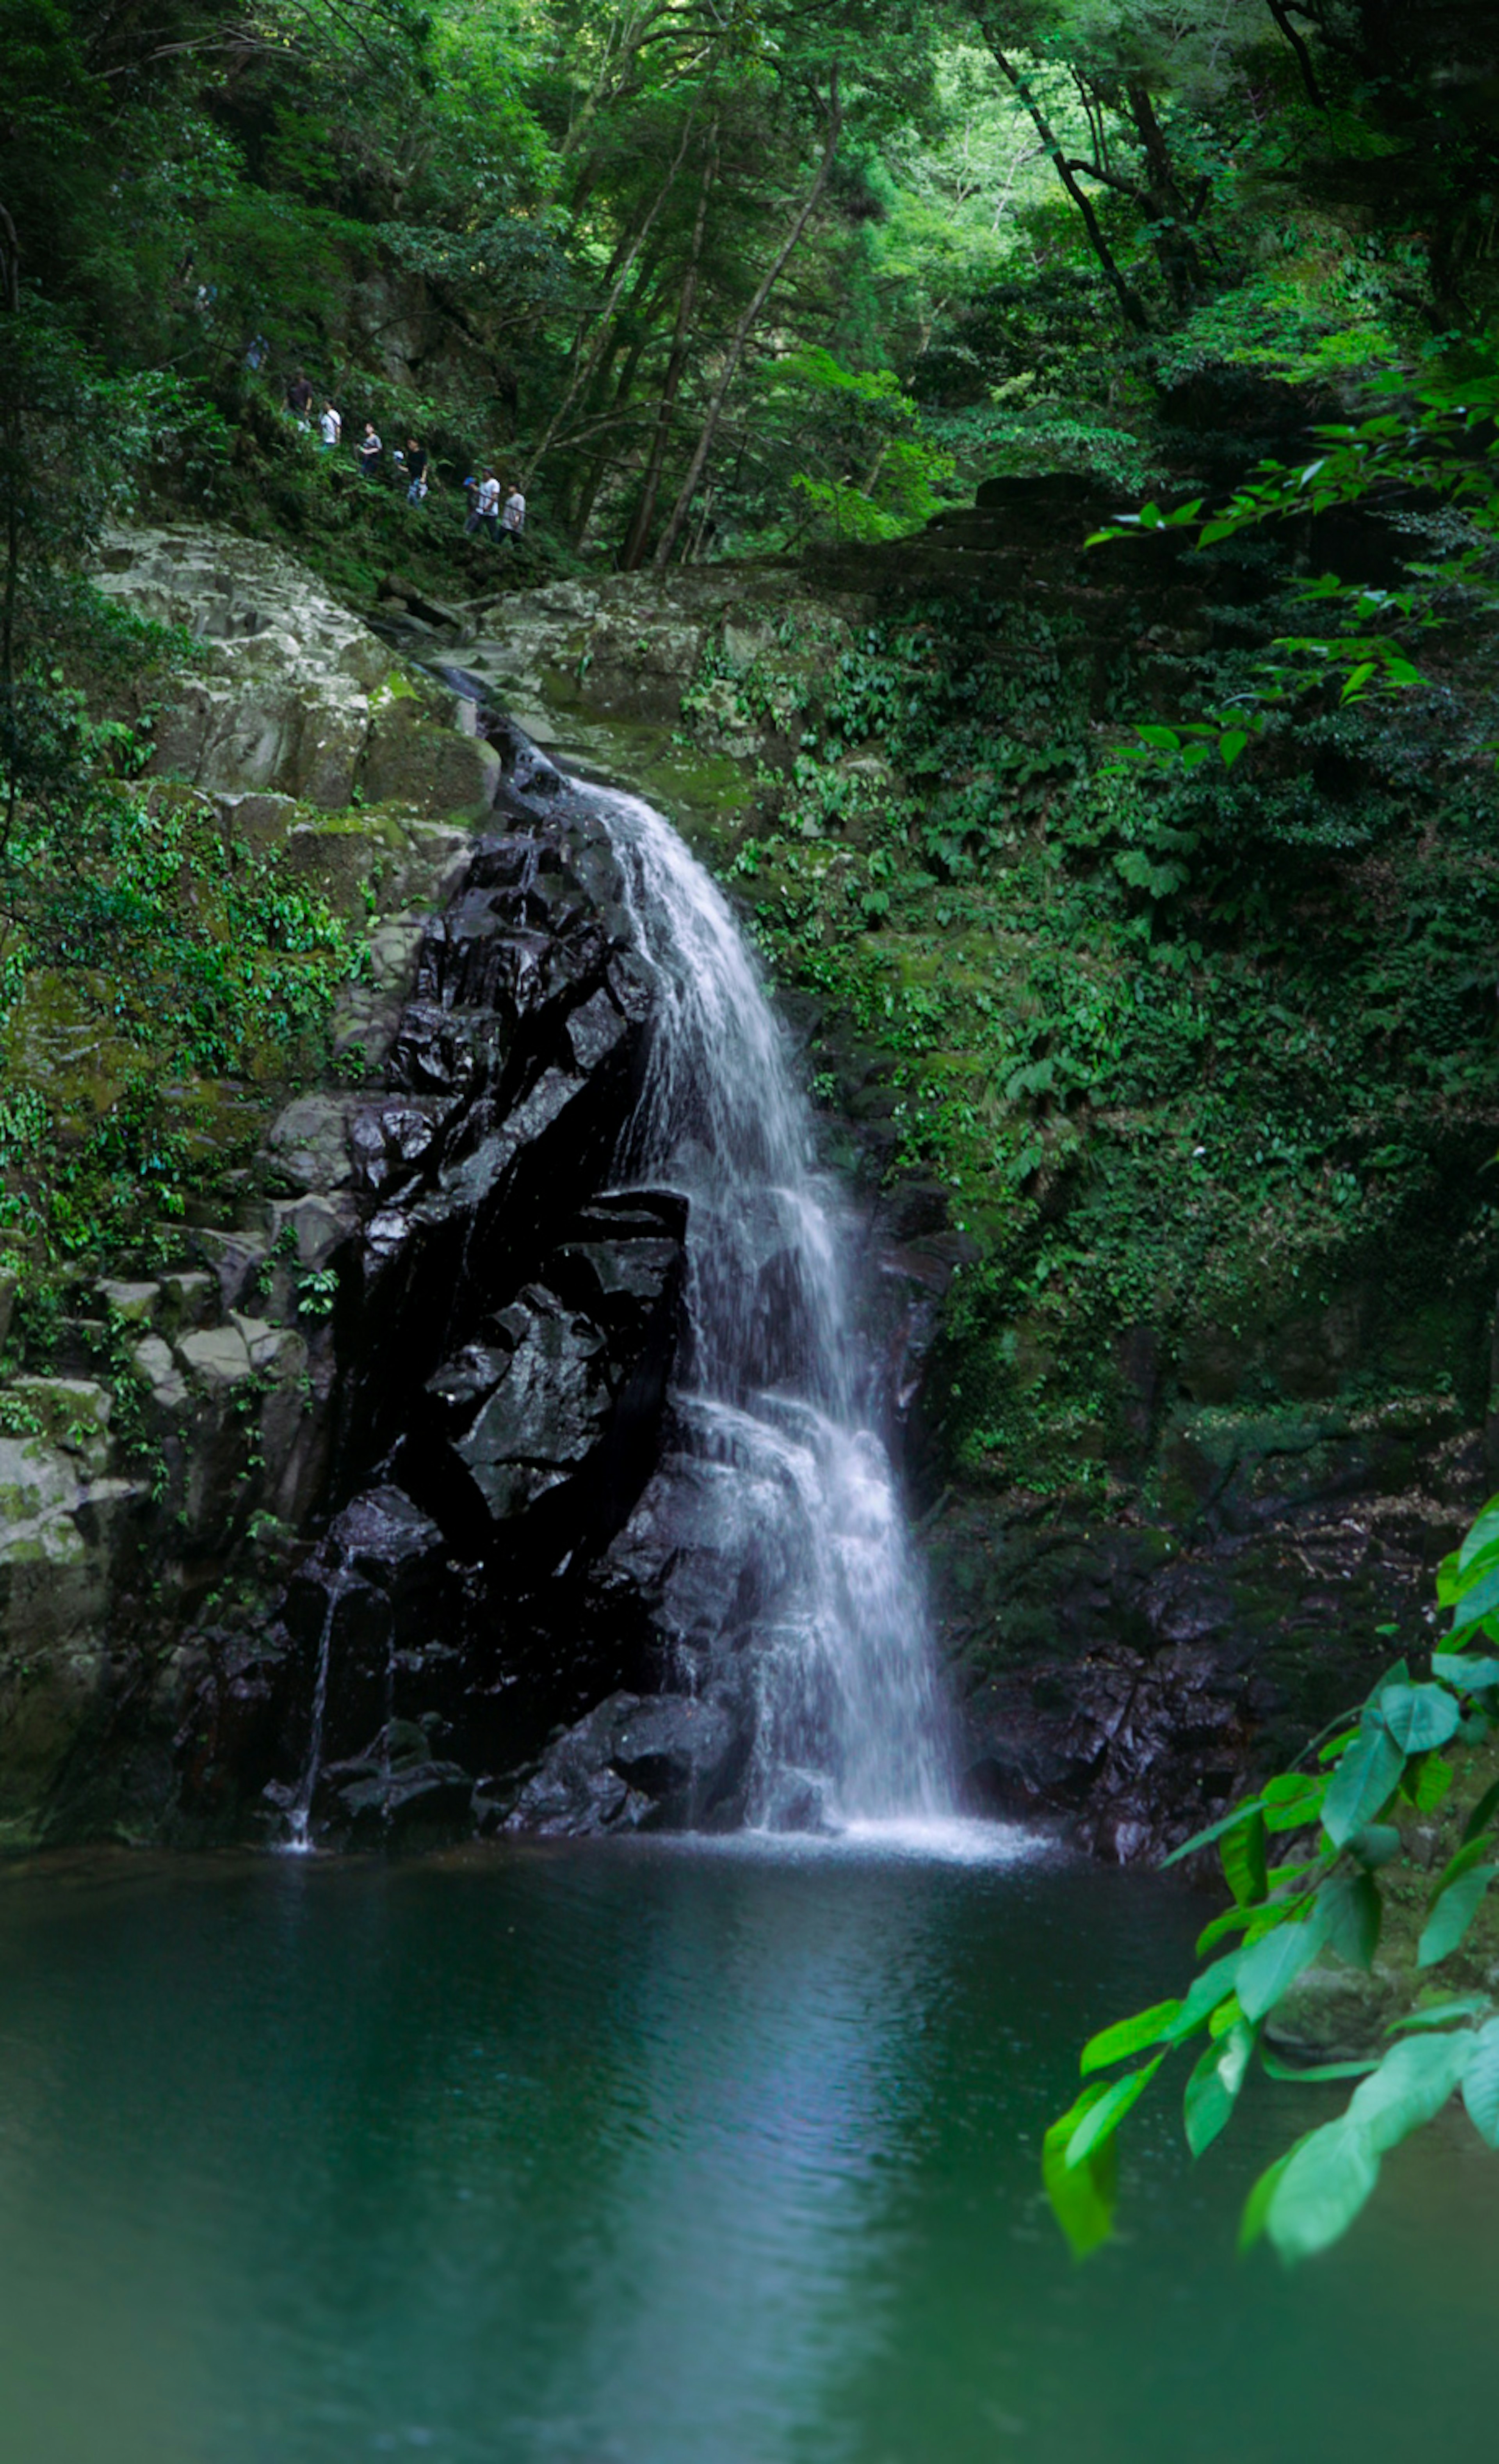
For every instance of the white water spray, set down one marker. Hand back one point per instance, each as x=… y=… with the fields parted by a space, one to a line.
x=850 y=1725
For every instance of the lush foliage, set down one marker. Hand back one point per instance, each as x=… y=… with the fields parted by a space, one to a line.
x=1336 y=1824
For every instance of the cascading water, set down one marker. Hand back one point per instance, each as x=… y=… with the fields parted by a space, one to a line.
x=851 y=1724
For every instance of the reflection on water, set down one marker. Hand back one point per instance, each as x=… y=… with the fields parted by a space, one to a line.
x=643 y=2156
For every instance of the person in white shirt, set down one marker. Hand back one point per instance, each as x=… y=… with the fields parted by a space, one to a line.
x=512 y=521
x=486 y=511
x=330 y=426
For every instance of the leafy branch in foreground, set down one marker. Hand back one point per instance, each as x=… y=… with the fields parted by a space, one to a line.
x=1438 y=450
x=1337 y=1818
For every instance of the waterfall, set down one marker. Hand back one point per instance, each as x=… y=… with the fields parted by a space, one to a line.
x=850 y=1725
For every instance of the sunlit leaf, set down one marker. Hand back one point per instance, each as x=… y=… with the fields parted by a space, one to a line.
x=1103 y=2118
x=1128 y=2036
x=1213 y=2089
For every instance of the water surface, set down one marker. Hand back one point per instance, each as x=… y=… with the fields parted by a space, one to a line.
x=647 y=2154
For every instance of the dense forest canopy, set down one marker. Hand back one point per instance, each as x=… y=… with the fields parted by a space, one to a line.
x=719 y=277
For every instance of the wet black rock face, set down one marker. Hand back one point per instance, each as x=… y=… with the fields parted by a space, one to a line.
x=506 y=1328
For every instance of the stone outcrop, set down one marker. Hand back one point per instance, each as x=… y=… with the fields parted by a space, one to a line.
x=290 y=693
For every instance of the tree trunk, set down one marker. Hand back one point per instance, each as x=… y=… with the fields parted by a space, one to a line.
x=742 y=331
x=1168 y=210
x=1128 y=296
x=588 y=363
x=675 y=367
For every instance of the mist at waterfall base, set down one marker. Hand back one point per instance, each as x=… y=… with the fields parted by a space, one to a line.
x=643 y=2152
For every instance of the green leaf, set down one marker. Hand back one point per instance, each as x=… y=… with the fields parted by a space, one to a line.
x=1440 y=2014
x=1214 y=1831
x=1482 y=1536
x=1476 y=1600
x=1375 y=1845
x=1467 y=1856
x=1481 y=2084
x=1232 y=745
x=1161 y=740
x=1353 y=1908
x=1242 y=1851
x=1433 y=1781
x=1232 y=1920
x=1420 y=1717
x=1082 y=2196
x=1411 y=2085
x=1363 y=1782
x=1325 y=2183
x=1313 y=2073
x=1483 y=1813
x=1257 y=2206
x=1102 y=2120
x=1205 y=1994
x=1129 y=2036
x=1213 y=2089
x=1453 y=1914
x=1456 y=1669
x=1273 y=1967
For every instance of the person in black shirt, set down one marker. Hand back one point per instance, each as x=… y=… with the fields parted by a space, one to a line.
x=299 y=399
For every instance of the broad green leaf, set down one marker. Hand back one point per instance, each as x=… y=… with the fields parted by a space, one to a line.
x=1232 y=745
x=1083 y=2197
x=1375 y=1845
x=1161 y=740
x=1457 y=1669
x=1420 y=1717
x=1213 y=2089
x=1363 y=1781
x=1411 y=2085
x=1241 y=1851
x=1481 y=2084
x=1128 y=2036
x=1453 y=1914
x=1205 y=1994
x=1324 y=2185
x=1483 y=1813
x=1273 y=1967
x=1351 y=1908
x=1103 y=2118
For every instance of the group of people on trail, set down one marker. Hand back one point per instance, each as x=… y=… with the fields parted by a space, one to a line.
x=500 y=521
x=495 y=512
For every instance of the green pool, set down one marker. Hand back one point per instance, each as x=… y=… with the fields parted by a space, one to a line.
x=655 y=2154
